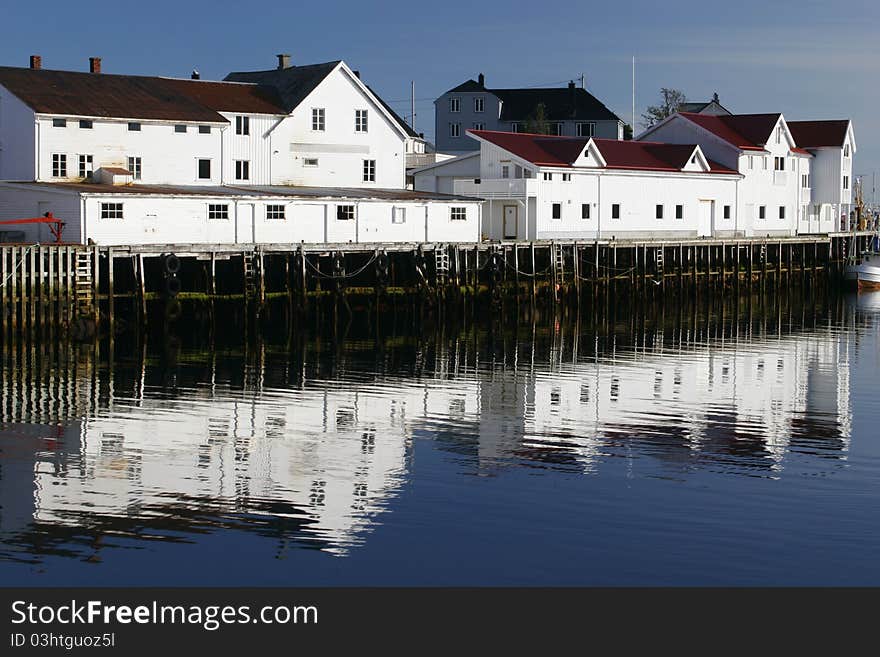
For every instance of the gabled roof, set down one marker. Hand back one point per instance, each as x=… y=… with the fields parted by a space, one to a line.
x=412 y=134
x=293 y=84
x=816 y=134
x=545 y=150
x=103 y=95
x=560 y=103
x=229 y=97
x=565 y=103
x=745 y=131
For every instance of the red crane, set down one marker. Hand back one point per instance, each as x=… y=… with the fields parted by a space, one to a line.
x=56 y=226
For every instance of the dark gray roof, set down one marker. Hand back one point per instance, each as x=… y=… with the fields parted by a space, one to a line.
x=290 y=191
x=293 y=84
x=560 y=103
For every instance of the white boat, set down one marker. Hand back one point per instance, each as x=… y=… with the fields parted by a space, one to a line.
x=865 y=271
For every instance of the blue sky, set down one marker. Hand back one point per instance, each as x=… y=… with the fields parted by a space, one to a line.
x=807 y=59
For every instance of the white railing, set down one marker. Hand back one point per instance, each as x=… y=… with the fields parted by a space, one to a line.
x=492 y=188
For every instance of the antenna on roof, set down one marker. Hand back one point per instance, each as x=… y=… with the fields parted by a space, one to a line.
x=634 y=99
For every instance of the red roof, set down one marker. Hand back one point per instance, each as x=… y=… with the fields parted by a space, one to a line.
x=546 y=150
x=747 y=132
x=815 y=134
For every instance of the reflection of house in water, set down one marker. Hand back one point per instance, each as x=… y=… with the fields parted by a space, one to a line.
x=743 y=404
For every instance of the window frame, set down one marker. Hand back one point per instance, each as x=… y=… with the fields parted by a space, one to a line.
x=242 y=125
x=398 y=214
x=345 y=212
x=454 y=104
x=658 y=211
x=479 y=104
x=458 y=213
x=199 y=162
x=615 y=210
x=762 y=212
x=311 y=162
x=112 y=210
x=86 y=124
x=556 y=211
x=135 y=166
x=86 y=165
x=134 y=126
x=242 y=169
x=181 y=129
x=204 y=129
x=726 y=212
x=59 y=165
x=276 y=212
x=589 y=133
x=361 y=121
x=585 y=211
x=782 y=212
x=319 y=119
x=679 y=211
x=369 y=171
x=59 y=123
x=218 y=212
x=454 y=130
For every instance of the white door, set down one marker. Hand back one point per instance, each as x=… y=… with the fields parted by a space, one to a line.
x=707 y=218
x=510 y=220
x=244 y=224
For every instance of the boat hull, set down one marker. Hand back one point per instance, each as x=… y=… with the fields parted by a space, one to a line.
x=866 y=274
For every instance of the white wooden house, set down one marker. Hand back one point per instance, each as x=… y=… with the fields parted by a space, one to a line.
x=313 y=139
x=782 y=190
x=547 y=187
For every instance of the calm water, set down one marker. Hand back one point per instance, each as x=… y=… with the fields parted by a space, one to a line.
x=731 y=445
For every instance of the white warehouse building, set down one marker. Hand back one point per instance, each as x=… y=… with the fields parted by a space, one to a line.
x=296 y=153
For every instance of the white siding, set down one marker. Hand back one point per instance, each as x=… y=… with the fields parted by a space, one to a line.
x=255 y=148
x=340 y=150
x=167 y=157
x=17 y=137
x=24 y=201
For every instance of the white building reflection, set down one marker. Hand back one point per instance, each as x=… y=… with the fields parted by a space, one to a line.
x=317 y=463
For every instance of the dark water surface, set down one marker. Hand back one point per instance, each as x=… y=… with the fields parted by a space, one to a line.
x=731 y=445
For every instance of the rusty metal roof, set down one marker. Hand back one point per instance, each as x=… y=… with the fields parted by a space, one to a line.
x=229 y=96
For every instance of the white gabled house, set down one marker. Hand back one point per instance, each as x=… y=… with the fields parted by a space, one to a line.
x=782 y=190
x=285 y=155
x=546 y=187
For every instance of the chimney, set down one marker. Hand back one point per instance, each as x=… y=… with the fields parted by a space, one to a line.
x=194 y=75
x=715 y=97
x=571 y=84
x=94 y=64
x=36 y=62
x=481 y=79
x=357 y=74
x=283 y=61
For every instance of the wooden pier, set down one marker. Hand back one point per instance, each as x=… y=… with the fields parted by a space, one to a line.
x=86 y=287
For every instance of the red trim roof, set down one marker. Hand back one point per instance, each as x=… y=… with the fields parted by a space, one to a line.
x=816 y=134
x=546 y=150
x=747 y=132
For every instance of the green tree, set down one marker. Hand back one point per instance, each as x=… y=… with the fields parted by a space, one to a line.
x=537 y=123
x=627 y=131
x=670 y=101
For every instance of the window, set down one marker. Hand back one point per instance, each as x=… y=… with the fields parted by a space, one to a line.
x=566 y=177
x=398 y=215
x=505 y=171
x=218 y=211
x=846 y=150
x=180 y=128
x=345 y=213
x=455 y=104
x=846 y=182
x=111 y=210
x=782 y=212
x=751 y=161
x=86 y=124
x=479 y=126
x=204 y=130
x=274 y=212
x=318 y=116
x=762 y=212
x=557 y=211
x=86 y=165
x=369 y=170
x=679 y=212
x=548 y=176
x=59 y=165
x=454 y=129
x=134 y=166
x=59 y=123
x=805 y=180
x=585 y=211
x=132 y=127
x=727 y=212
x=310 y=161
x=242 y=170
x=557 y=128
x=479 y=104
x=586 y=129
x=242 y=125
x=615 y=211
x=516 y=127
x=204 y=169
x=458 y=214
x=658 y=212
x=360 y=120
x=779 y=134
x=779 y=164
